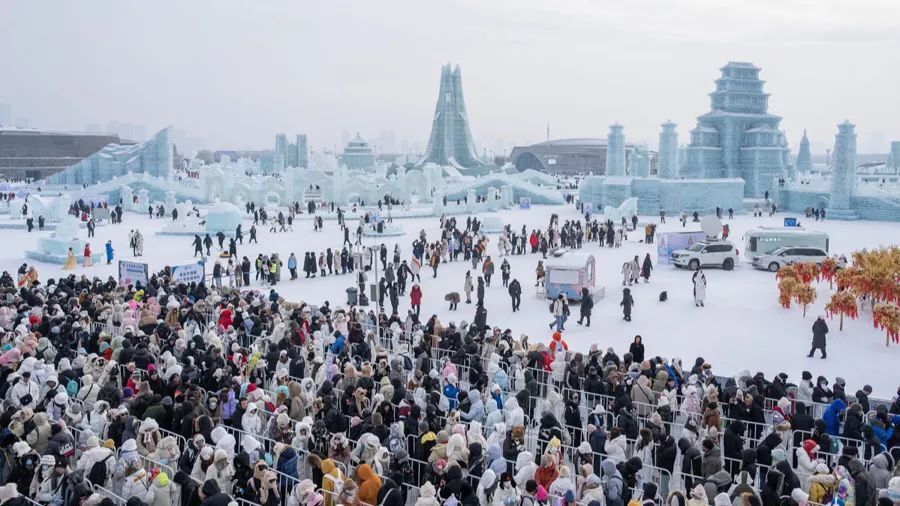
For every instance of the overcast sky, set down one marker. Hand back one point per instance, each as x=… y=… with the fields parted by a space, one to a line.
x=237 y=72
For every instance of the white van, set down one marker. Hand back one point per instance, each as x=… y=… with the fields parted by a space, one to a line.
x=764 y=240
x=787 y=256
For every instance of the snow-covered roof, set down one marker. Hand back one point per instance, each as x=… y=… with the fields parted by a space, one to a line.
x=569 y=260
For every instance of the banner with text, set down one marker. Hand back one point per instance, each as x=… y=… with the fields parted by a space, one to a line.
x=132 y=273
x=668 y=242
x=189 y=273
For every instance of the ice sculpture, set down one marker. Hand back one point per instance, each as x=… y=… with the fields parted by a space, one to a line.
x=223 y=217
x=54 y=249
x=153 y=157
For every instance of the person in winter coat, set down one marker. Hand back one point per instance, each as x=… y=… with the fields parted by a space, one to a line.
x=853 y=422
x=821 y=393
x=806 y=462
x=587 y=306
x=733 y=445
x=250 y=421
x=819 y=330
x=698 y=497
x=699 y=281
x=415 y=299
x=468 y=287
x=332 y=478
x=627 y=303
x=832 y=417
x=547 y=473
x=616 y=445
x=613 y=484
x=864 y=485
x=646 y=268
x=476 y=408
x=136 y=482
x=160 y=491
x=525 y=469
x=691 y=463
x=515 y=294
x=712 y=458
x=427 y=496
x=821 y=484
x=93 y=454
x=109 y=252
x=881 y=470
x=369 y=484
x=637 y=350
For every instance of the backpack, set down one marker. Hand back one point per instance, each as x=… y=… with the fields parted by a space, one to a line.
x=99 y=473
x=663 y=296
x=835 y=446
x=72 y=388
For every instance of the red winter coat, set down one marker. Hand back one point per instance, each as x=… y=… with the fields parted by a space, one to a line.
x=225 y=318
x=415 y=296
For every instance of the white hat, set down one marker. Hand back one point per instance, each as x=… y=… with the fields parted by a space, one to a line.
x=249 y=443
x=92 y=442
x=800 y=496
x=129 y=445
x=722 y=500
x=21 y=448
x=8 y=492
x=61 y=398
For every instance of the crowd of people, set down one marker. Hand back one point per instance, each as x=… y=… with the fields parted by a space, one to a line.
x=186 y=394
x=172 y=394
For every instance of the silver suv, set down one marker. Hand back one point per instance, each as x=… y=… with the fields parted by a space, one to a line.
x=706 y=254
x=788 y=255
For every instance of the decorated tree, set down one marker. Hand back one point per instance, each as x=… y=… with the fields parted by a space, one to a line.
x=788 y=271
x=807 y=272
x=846 y=278
x=804 y=295
x=786 y=289
x=828 y=271
x=842 y=303
x=886 y=316
x=879 y=270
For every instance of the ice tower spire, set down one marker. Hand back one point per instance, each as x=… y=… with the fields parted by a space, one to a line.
x=451 y=142
x=804 y=160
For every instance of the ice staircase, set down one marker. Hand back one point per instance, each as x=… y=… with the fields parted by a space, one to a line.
x=537 y=194
x=314 y=195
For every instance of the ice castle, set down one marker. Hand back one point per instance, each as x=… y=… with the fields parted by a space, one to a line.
x=738 y=156
x=845 y=195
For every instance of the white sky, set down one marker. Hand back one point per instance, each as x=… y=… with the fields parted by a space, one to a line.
x=237 y=72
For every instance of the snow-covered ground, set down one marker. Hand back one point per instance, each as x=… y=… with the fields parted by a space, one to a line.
x=741 y=327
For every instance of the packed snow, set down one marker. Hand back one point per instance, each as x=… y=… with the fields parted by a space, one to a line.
x=742 y=326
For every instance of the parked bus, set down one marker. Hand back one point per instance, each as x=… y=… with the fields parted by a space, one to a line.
x=764 y=240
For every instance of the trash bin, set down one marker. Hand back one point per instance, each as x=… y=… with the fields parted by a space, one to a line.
x=352 y=296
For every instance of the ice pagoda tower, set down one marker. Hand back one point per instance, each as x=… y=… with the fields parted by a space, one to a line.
x=843 y=177
x=738 y=137
x=451 y=142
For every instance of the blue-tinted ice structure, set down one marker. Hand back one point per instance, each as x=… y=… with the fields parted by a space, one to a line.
x=153 y=158
x=736 y=151
x=450 y=143
x=55 y=249
x=223 y=217
x=844 y=195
